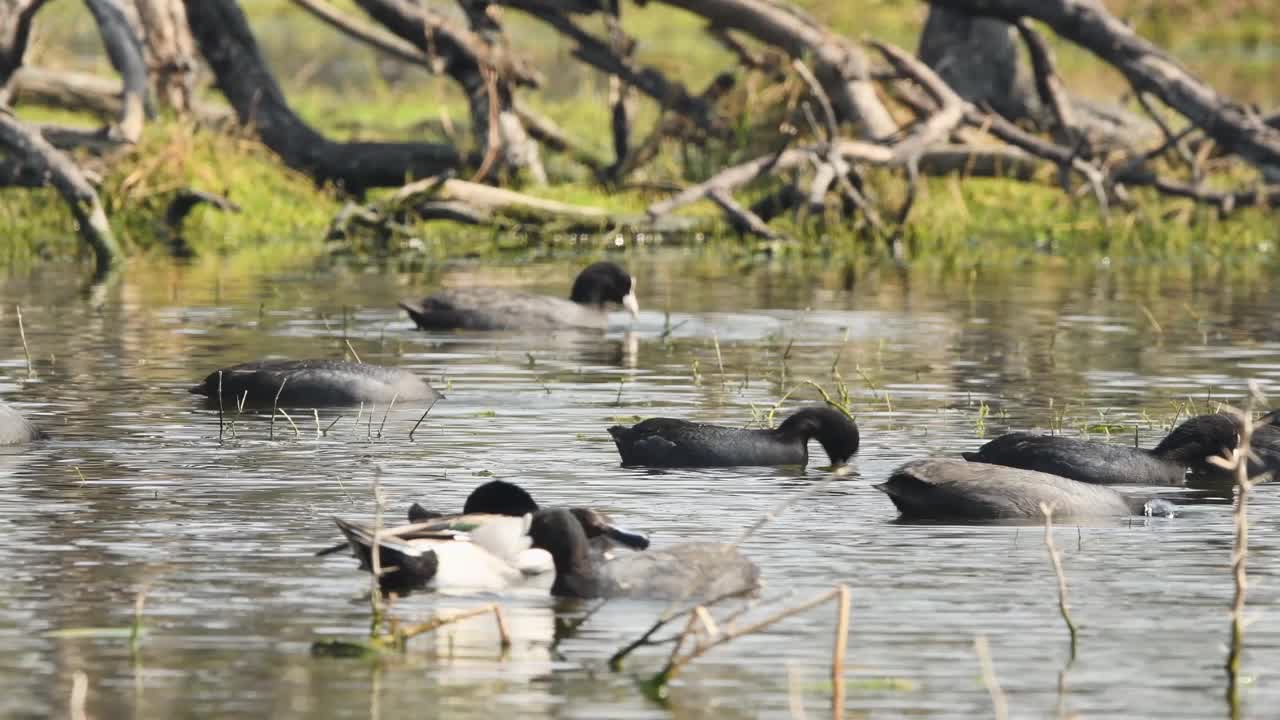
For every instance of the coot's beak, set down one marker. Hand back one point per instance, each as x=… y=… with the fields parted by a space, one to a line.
x=633 y=540
x=631 y=304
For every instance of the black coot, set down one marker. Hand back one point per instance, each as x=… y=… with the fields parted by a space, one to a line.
x=313 y=383
x=952 y=489
x=16 y=429
x=596 y=287
x=1187 y=447
x=668 y=442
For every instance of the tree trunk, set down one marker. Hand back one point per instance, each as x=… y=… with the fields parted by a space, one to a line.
x=222 y=34
x=125 y=51
x=979 y=57
x=170 y=52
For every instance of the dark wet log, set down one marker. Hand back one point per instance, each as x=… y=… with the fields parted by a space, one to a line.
x=15 y=32
x=170 y=52
x=124 y=48
x=26 y=146
x=222 y=34
x=840 y=65
x=484 y=70
x=1148 y=68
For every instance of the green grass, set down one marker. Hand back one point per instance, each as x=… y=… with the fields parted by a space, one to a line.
x=349 y=92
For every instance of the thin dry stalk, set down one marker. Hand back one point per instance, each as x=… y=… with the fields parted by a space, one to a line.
x=724 y=380
x=375 y=562
x=79 y=694
x=1056 y=558
x=502 y=626
x=22 y=332
x=316 y=414
x=220 y=411
x=275 y=404
x=701 y=647
x=999 y=703
x=296 y=433
x=329 y=427
x=1238 y=461
x=838 y=653
x=424 y=417
x=359 y=414
x=354 y=354
x=383 y=424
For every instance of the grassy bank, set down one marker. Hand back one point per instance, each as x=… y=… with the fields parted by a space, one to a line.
x=350 y=92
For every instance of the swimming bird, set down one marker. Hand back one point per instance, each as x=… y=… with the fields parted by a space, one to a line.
x=597 y=286
x=668 y=442
x=1187 y=447
x=698 y=571
x=483 y=553
x=500 y=553
x=312 y=383
x=15 y=429
x=953 y=489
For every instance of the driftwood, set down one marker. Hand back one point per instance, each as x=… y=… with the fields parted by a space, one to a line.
x=29 y=148
x=222 y=34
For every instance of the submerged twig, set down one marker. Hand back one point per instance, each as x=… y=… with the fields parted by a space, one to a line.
x=424 y=417
x=1056 y=558
x=383 y=424
x=678 y=662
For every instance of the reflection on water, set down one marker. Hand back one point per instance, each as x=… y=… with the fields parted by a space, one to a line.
x=136 y=491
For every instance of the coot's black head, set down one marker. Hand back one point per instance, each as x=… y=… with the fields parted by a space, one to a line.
x=603 y=283
x=595 y=525
x=560 y=533
x=500 y=497
x=1198 y=438
x=834 y=429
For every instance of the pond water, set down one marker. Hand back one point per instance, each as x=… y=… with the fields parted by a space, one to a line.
x=136 y=493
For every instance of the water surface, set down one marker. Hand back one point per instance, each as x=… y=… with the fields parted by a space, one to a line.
x=137 y=492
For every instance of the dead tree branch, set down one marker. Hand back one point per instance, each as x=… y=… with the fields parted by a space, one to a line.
x=29 y=148
x=124 y=48
x=1148 y=68
x=223 y=36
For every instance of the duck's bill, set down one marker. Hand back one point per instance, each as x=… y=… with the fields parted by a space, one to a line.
x=632 y=305
x=633 y=540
